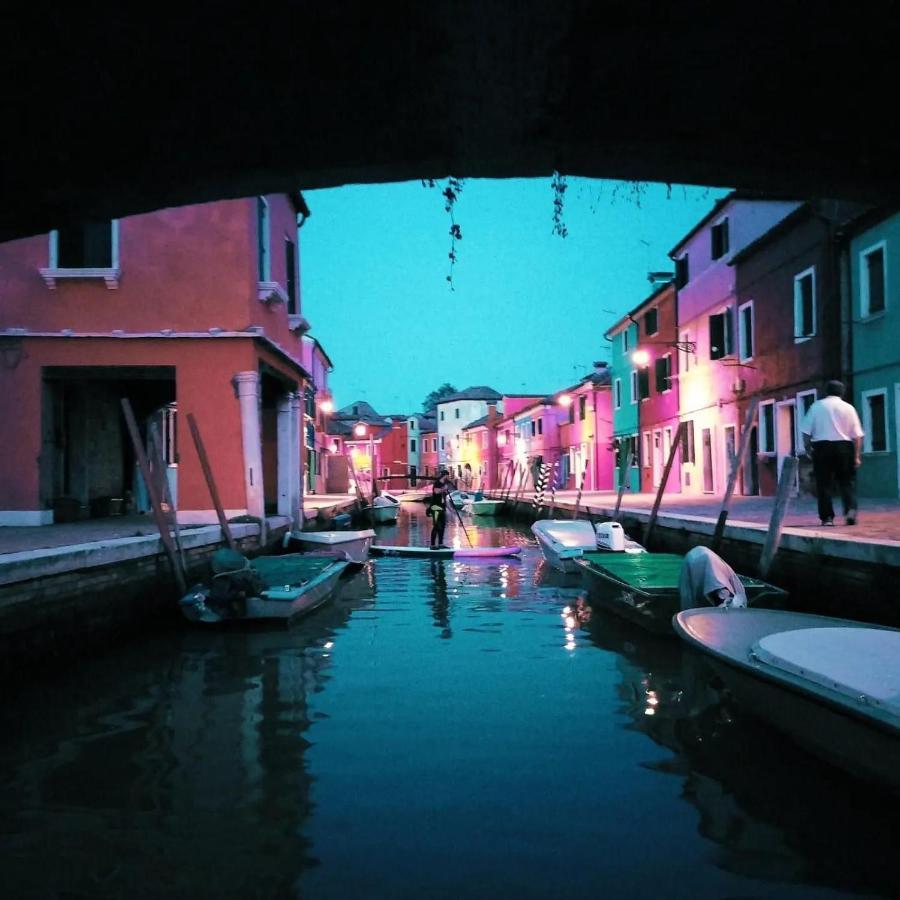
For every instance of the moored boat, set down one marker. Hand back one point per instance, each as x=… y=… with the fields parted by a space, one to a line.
x=271 y=587
x=562 y=541
x=833 y=685
x=485 y=507
x=644 y=587
x=354 y=545
x=460 y=498
x=446 y=552
x=384 y=509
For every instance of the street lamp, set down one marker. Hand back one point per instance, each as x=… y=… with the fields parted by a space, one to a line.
x=326 y=406
x=564 y=400
x=640 y=357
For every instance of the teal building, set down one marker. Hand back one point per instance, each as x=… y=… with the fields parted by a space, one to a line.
x=625 y=406
x=874 y=264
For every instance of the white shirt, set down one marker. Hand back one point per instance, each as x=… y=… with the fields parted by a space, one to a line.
x=831 y=419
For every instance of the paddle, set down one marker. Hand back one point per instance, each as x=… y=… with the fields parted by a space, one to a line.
x=458 y=516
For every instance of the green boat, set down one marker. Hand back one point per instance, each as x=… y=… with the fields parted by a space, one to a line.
x=269 y=587
x=643 y=587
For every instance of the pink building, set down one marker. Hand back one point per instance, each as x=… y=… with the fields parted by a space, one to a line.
x=189 y=310
x=509 y=453
x=585 y=433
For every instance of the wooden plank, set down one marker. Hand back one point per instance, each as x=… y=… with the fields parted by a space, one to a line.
x=736 y=467
x=155 y=502
x=210 y=481
x=360 y=496
x=157 y=461
x=580 y=490
x=776 y=523
x=522 y=478
x=679 y=437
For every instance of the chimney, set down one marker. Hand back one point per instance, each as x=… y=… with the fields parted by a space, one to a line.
x=492 y=412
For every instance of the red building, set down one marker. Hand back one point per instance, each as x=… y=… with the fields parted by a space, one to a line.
x=189 y=310
x=428 y=453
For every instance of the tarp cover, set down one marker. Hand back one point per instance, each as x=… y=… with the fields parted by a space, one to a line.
x=292 y=568
x=645 y=571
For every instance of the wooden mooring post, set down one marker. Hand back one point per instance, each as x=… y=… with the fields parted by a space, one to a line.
x=624 y=466
x=580 y=491
x=737 y=465
x=210 y=481
x=776 y=523
x=679 y=437
x=155 y=501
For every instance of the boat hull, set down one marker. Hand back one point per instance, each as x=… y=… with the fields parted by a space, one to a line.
x=354 y=545
x=562 y=541
x=838 y=728
x=384 y=514
x=485 y=507
x=449 y=553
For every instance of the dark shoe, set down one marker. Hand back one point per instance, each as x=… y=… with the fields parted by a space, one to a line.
x=828 y=521
x=851 y=519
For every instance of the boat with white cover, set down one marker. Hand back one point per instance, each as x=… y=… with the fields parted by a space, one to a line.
x=833 y=685
x=384 y=509
x=562 y=541
x=353 y=544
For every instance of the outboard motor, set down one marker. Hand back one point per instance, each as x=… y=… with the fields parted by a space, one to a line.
x=610 y=536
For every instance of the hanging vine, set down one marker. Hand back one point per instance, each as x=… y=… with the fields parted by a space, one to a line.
x=450 y=193
x=559 y=187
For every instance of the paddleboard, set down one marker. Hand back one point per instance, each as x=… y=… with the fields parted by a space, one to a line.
x=450 y=553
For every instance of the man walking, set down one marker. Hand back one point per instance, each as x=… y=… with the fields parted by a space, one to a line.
x=833 y=435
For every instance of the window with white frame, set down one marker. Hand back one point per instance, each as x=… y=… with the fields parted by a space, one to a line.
x=805 y=304
x=721 y=340
x=688 y=450
x=625 y=341
x=442 y=415
x=767 y=427
x=872 y=280
x=442 y=443
x=647 y=457
x=805 y=400
x=663 y=372
x=456 y=412
x=90 y=250
x=412 y=446
x=746 y=338
x=874 y=423
x=634 y=386
x=617 y=393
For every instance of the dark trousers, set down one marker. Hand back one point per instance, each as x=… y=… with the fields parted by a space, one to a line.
x=834 y=461
x=439 y=518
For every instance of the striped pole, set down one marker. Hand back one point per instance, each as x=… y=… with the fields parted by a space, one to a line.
x=540 y=487
x=553 y=489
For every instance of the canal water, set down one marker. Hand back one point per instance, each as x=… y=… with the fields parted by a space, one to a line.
x=443 y=729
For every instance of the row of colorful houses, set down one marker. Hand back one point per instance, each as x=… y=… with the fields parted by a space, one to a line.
x=769 y=300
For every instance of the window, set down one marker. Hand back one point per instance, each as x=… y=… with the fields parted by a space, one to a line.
x=647 y=455
x=617 y=393
x=262 y=239
x=805 y=304
x=745 y=331
x=88 y=246
x=442 y=415
x=533 y=428
x=634 y=386
x=874 y=406
x=767 y=427
x=682 y=271
x=625 y=340
x=663 y=366
x=540 y=425
x=456 y=413
x=442 y=443
x=582 y=408
x=720 y=341
x=719 y=239
x=805 y=400
x=412 y=424
x=412 y=446
x=651 y=321
x=644 y=383
x=290 y=276
x=688 y=449
x=872 y=280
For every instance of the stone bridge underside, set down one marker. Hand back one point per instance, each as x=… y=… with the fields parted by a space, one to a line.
x=117 y=112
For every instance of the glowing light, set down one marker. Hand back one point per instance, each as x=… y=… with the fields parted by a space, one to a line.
x=329 y=645
x=564 y=400
x=501 y=440
x=359 y=430
x=326 y=406
x=571 y=621
x=640 y=357
x=649 y=711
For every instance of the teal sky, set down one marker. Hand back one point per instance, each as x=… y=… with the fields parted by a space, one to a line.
x=528 y=309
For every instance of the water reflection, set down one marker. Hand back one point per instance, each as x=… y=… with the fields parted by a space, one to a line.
x=440 y=605
x=776 y=812
x=182 y=775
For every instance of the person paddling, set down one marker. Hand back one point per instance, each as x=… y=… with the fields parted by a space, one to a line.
x=436 y=506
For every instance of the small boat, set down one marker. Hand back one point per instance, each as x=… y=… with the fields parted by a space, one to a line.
x=460 y=498
x=644 y=587
x=833 y=685
x=485 y=507
x=354 y=545
x=562 y=541
x=446 y=552
x=383 y=510
x=270 y=587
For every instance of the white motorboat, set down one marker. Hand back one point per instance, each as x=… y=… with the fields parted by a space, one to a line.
x=484 y=507
x=562 y=541
x=353 y=544
x=833 y=685
x=460 y=498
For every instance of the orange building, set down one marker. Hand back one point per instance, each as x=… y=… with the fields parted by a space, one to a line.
x=188 y=310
